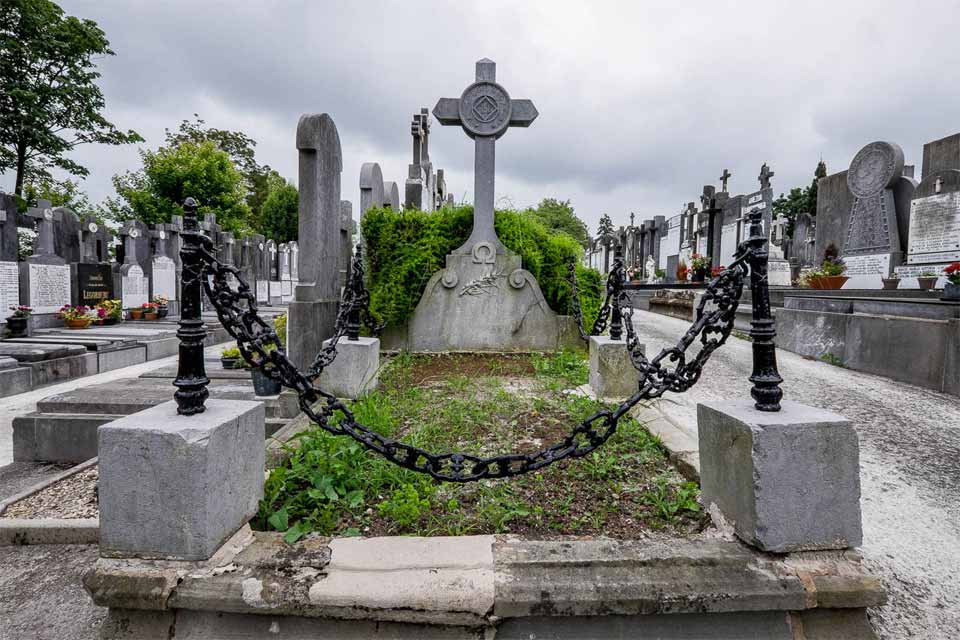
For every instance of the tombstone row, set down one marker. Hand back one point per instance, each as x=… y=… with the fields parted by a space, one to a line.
x=71 y=262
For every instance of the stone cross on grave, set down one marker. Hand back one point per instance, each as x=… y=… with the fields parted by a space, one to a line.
x=43 y=213
x=631 y=218
x=726 y=175
x=88 y=241
x=485 y=111
x=765 y=175
x=160 y=238
x=130 y=244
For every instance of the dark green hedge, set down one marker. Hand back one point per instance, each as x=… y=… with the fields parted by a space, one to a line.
x=405 y=248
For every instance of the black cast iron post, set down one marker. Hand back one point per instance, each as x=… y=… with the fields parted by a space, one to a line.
x=766 y=379
x=355 y=293
x=192 y=378
x=616 y=288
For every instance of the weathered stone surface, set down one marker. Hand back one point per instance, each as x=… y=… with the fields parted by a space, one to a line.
x=60 y=369
x=788 y=480
x=355 y=369
x=485 y=302
x=683 y=626
x=38 y=352
x=109 y=360
x=14 y=380
x=611 y=373
x=812 y=333
x=204 y=474
x=40 y=437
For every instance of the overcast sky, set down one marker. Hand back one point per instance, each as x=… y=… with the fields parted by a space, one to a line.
x=641 y=103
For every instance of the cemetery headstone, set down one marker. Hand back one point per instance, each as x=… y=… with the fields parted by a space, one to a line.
x=134 y=283
x=440 y=196
x=391 y=195
x=346 y=239
x=313 y=311
x=371 y=187
x=483 y=299
x=804 y=239
x=420 y=179
x=670 y=247
x=934 y=235
x=163 y=268
x=66 y=236
x=732 y=229
x=44 y=276
x=872 y=247
x=261 y=269
x=275 y=284
x=294 y=265
x=286 y=280
x=92 y=277
x=9 y=271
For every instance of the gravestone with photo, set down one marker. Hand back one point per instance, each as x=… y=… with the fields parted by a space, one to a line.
x=44 y=276
x=164 y=270
x=274 y=283
x=134 y=283
x=92 y=277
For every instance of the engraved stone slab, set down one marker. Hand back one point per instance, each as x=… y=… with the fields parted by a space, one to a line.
x=94 y=284
x=164 y=277
x=263 y=293
x=874 y=168
x=48 y=286
x=9 y=286
x=134 y=286
x=867 y=265
x=728 y=243
x=935 y=228
x=778 y=273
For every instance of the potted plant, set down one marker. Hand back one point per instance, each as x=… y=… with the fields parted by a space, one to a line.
x=699 y=265
x=149 y=310
x=136 y=313
x=230 y=358
x=927 y=280
x=659 y=274
x=19 y=321
x=109 y=312
x=263 y=384
x=75 y=317
x=682 y=271
x=828 y=276
x=891 y=282
x=161 y=302
x=952 y=289
x=714 y=272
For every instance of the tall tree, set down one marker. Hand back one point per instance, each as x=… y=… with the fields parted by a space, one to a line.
x=171 y=174
x=279 y=217
x=799 y=201
x=605 y=228
x=558 y=215
x=49 y=100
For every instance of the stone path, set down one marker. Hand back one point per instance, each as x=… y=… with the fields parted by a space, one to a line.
x=910 y=470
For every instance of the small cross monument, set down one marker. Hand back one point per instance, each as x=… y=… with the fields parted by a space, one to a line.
x=43 y=214
x=724 y=177
x=485 y=111
x=765 y=175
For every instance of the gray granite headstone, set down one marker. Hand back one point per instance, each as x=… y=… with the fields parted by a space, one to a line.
x=391 y=195
x=934 y=232
x=45 y=283
x=804 y=239
x=371 y=187
x=163 y=269
x=8 y=228
x=66 y=234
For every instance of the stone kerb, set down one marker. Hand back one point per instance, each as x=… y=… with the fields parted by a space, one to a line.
x=611 y=373
x=787 y=480
x=178 y=487
x=355 y=369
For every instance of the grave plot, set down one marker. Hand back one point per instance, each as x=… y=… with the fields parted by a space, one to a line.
x=486 y=405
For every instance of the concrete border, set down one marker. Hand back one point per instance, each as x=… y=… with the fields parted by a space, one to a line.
x=43 y=484
x=26 y=531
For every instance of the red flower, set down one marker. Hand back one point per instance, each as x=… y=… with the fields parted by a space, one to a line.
x=953 y=267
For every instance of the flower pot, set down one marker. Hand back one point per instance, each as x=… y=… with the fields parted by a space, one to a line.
x=699 y=275
x=17 y=327
x=80 y=323
x=230 y=363
x=136 y=314
x=150 y=316
x=110 y=321
x=951 y=292
x=891 y=283
x=263 y=385
x=927 y=282
x=162 y=312
x=828 y=282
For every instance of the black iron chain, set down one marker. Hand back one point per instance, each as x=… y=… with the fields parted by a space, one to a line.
x=258 y=343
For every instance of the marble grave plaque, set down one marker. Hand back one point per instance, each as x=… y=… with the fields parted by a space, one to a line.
x=49 y=287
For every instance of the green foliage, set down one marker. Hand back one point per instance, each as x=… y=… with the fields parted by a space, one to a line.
x=830 y=358
x=672 y=501
x=230 y=352
x=557 y=216
x=566 y=366
x=279 y=214
x=49 y=99
x=405 y=248
x=280 y=326
x=406 y=505
x=605 y=228
x=60 y=193
x=24 y=244
x=171 y=174
x=799 y=201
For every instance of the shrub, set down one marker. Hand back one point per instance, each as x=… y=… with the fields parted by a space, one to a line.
x=405 y=249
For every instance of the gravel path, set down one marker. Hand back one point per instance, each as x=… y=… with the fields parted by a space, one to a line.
x=910 y=470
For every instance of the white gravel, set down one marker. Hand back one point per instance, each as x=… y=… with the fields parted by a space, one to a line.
x=73 y=497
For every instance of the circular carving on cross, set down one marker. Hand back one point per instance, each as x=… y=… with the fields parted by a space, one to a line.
x=449 y=278
x=133 y=233
x=485 y=109
x=260 y=246
x=92 y=227
x=48 y=214
x=874 y=168
x=484 y=253
x=163 y=235
x=517 y=279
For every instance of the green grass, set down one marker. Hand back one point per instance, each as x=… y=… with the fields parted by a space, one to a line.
x=486 y=406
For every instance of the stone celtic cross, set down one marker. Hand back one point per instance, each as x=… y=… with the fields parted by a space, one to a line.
x=43 y=214
x=765 y=175
x=485 y=111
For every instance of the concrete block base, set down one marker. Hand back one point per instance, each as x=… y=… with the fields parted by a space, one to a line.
x=308 y=324
x=788 y=480
x=355 y=369
x=177 y=487
x=611 y=373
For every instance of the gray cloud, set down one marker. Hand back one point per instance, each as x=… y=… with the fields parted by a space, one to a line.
x=641 y=105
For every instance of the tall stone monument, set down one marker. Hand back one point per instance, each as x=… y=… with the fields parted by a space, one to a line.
x=44 y=276
x=313 y=311
x=9 y=271
x=483 y=300
x=92 y=276
x=371 y=187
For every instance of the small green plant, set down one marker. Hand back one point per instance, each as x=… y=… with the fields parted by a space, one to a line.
x=230 y=352
x=405 y=506
x=670 y=502
x=568 y=366
x=280 y=326
x=736 y=333
x=833 y=359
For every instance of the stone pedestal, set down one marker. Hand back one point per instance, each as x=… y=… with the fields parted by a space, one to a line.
x=483 y=301
x=788 y=480
x=308 y=325
x=355 y=369
x=178 y=487
x=611 y=373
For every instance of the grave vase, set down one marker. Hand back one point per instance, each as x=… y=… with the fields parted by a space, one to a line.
x=951 y=292
x=136 y=314
x=78 y=323
x=828 y=282
x=927 y=283
x=891 y=283
x=17 y=326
